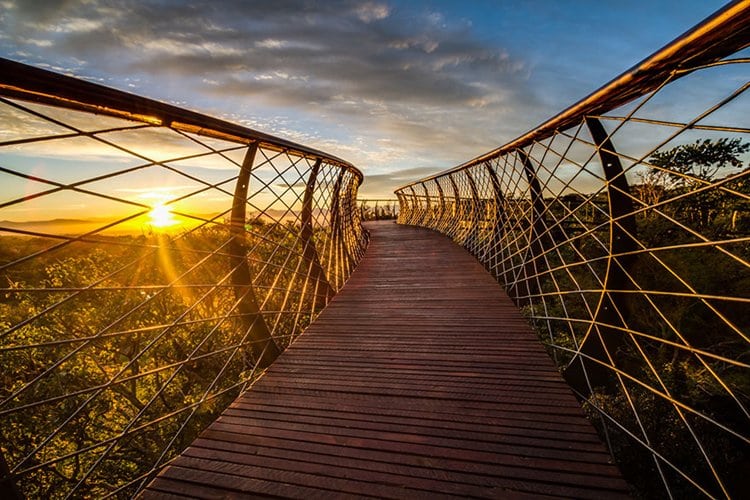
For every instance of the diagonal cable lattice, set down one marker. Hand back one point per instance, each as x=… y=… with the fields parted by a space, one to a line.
x=153 y=261
x=621 y=227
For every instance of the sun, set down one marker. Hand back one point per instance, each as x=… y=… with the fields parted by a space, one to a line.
x=161 y=216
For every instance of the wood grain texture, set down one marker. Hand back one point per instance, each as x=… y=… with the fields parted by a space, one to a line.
x=420 y=380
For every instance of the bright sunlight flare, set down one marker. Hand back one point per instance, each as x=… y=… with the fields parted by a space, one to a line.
x=161 y=216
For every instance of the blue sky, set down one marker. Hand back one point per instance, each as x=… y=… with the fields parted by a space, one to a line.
x=399 y=88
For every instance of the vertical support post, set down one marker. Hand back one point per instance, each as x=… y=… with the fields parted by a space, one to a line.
x=263 y=347
x=602 y=342
x=335 y=257
x=427 y=219
x=335 y=209
x=415 y=216
x=472 y=241
x=335 y=260
x=533 y=262
x=309 y=252
x=403 y=208
x=441 y=195
x=345 y=228
x=457 y=210
x=499 y=227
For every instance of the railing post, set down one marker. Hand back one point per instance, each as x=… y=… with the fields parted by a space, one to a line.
x=348 y=259
x=441 y=195
x=335 y=257
x=403 y=208
x=414 y=219
x=427 y=219
x=602 y=342
x=498 y=229
x=309 y=252
x=408 y=208
x=263 y=347
x=341 y=251
x=533 y=263
x=457 y=209
x=472 y=240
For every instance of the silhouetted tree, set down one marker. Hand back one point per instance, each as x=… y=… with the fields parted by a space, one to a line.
x=692 y=167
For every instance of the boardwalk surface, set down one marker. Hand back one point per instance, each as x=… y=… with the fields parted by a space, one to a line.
x=421 y=379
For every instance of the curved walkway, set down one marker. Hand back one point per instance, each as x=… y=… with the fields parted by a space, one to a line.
x=420 y=379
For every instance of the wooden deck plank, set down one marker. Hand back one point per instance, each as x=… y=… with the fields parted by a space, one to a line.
x=421 y=379
x=482 y=475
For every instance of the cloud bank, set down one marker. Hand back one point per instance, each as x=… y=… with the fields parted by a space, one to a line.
x=389 y=85
x=384 y=87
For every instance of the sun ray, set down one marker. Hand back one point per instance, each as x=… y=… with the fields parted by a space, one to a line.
x=161 y=216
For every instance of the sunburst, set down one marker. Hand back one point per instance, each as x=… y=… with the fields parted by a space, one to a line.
x=161 y=216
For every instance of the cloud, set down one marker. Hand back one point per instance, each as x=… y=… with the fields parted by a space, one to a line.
x=382 y=185
x=372 y=11
x=352 y=72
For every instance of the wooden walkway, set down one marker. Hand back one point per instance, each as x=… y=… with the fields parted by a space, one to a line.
x=420 y=380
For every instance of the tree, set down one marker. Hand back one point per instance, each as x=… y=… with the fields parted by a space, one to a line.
x=697 y=164
x=690 y=167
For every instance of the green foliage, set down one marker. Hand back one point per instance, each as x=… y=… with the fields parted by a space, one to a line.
x=117 y=353
x=693 y=167
x=698 y=163
x=681 y=322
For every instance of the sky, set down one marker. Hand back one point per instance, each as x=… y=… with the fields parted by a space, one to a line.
x=399 y=88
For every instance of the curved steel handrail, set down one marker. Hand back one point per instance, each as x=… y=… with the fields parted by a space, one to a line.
x=46 y=87
x=619 y=242
x=119 y=339
x=723 y=33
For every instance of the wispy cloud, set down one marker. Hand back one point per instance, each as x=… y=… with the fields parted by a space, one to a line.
x=354 y=72
x=386 y=84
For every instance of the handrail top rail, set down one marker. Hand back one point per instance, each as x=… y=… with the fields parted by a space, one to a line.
x=39 y=85
x=695 y=48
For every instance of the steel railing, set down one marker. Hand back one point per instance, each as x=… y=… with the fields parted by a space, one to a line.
x=621 y=227
x=378 y=209
x=153 y=261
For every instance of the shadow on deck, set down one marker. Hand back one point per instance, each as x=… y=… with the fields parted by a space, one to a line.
x=420 y=379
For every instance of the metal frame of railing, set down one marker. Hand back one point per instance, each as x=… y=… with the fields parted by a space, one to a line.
x=121 y=339
x=628 y=248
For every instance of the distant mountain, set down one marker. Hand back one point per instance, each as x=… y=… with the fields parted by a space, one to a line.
x=52 y=222
x=71 y=226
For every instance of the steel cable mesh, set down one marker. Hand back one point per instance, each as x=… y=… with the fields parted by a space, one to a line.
x=625 y=238
x=141 y=285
